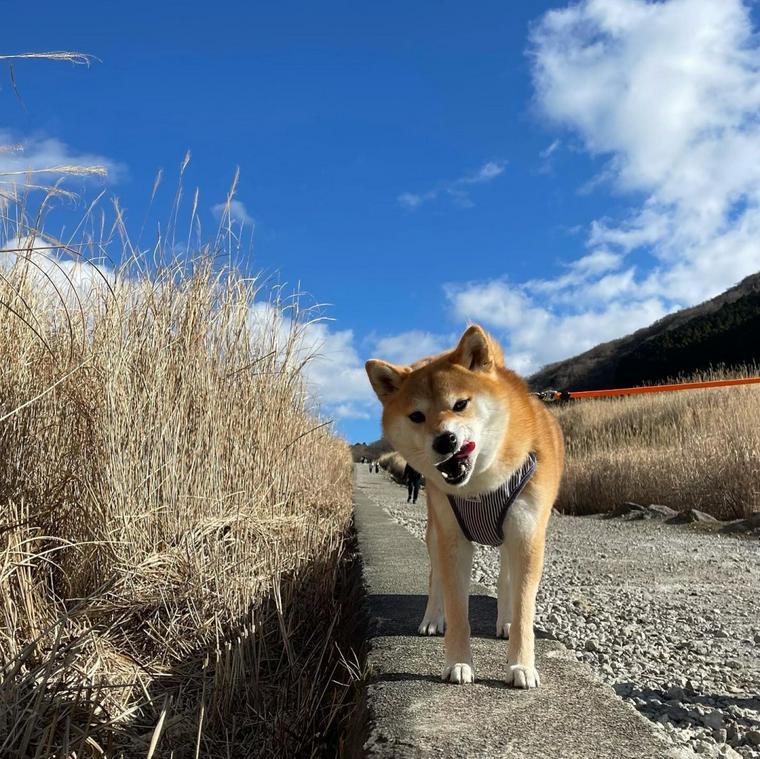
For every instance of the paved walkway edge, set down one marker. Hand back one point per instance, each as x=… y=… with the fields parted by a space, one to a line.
x=412 y=713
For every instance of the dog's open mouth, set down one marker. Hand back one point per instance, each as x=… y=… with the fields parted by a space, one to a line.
x=457 y=467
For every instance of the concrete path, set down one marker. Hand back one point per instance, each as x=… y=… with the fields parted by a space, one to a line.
x=413 y=714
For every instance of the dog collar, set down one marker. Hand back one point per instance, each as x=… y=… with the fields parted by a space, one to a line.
x=481 y=517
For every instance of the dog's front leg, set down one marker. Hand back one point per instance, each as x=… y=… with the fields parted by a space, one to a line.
x=455 y=564
x=524 y=530
x=433 y=621
x=455 y=557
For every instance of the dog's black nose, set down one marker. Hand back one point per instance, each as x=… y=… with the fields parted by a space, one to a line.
x=446 y=442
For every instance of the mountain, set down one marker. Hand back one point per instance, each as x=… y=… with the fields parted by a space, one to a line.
x=723 y=330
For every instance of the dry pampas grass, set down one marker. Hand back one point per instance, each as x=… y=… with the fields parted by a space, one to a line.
x=174 y=516
x=690 y=449
x=393 y=463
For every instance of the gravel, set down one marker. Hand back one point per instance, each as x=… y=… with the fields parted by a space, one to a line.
x=667 y=615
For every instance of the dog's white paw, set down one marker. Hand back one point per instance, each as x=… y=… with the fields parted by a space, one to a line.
x=433 y=624
x=502 y=629
x=520 y=676
x=458 y=673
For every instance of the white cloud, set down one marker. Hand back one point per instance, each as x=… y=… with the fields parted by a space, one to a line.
x=348 y=411
x=549 y=151
x=597 y=262
x=546 y=155
x=535 y=331
x=455 y=189
x=668 y=94
x=408 y=347
x=494 y=302
x=411 y=200
x=488 y=171
x=56 y=272
x=237 y=212
x=39 y=154
x=334 y=373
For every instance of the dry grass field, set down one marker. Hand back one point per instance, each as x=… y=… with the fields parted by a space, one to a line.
x=172 y=516
x=690 y=449
x=393 y=463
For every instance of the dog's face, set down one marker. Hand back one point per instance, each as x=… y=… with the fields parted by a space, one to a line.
x=447 y=416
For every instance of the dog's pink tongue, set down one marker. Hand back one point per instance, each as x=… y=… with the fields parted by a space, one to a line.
x=465 y=450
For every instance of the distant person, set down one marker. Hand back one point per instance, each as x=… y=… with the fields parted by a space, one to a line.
x=413 y=479
x=377 y=467
x=371 y=464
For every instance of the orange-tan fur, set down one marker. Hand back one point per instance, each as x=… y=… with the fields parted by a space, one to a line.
x=506 y=422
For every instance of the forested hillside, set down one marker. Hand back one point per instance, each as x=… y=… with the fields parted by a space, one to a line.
x=724 y=330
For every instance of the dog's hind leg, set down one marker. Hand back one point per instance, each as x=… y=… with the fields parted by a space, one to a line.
x=504 y=596
x=433 y=622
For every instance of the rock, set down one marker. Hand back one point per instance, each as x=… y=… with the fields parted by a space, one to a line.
x=591 y=645
x=737 y=525
x=675 y=692
x=665 y=512
x=752 y=737
x=692 y=515
x=678 y=713
x=719 y=736
x=726 y=752
x=628 y=510
x=713 y=720
x=750 y=524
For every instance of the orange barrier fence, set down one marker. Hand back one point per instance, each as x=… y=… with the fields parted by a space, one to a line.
x=556 y=395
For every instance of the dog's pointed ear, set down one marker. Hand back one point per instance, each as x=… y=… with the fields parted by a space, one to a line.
x=477 y=351
x=385 y=378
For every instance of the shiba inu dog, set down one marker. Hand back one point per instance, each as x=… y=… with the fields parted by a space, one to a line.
x=492 y=456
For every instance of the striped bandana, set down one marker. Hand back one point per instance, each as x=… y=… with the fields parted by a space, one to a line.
x=481 y=517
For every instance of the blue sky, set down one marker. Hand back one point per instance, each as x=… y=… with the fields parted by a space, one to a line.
x=563 y=173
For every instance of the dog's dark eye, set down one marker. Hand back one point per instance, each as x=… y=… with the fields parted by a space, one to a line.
x=461 y=404
x=417 y=417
